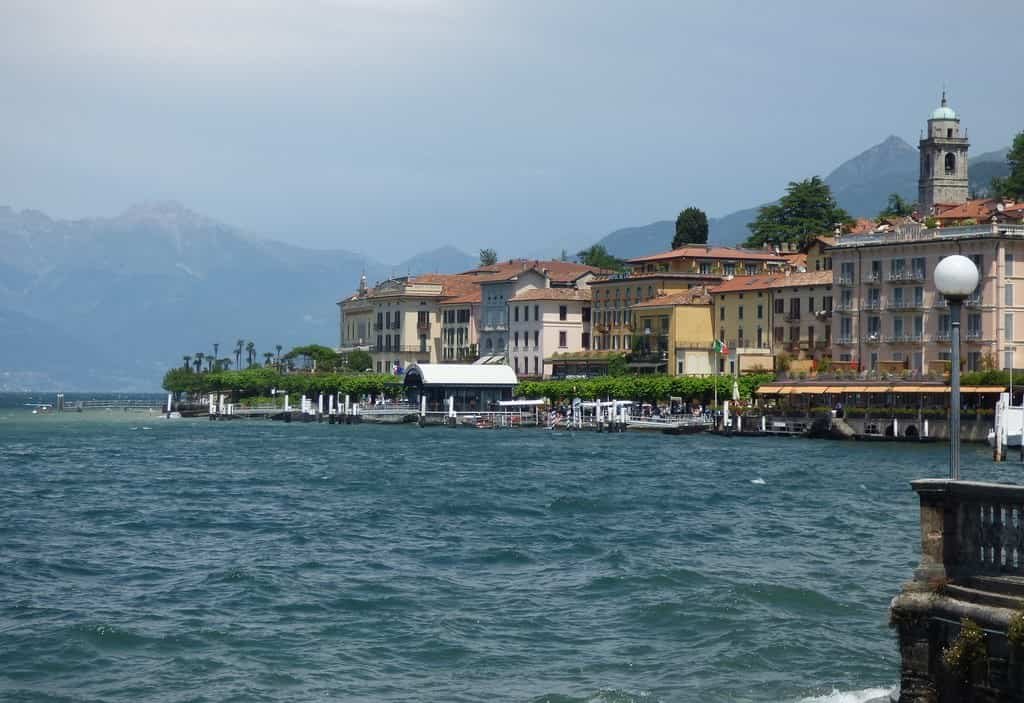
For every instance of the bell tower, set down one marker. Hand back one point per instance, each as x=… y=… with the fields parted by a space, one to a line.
x=943 y=174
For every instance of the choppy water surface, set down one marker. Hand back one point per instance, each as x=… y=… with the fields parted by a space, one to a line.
x=147 y=559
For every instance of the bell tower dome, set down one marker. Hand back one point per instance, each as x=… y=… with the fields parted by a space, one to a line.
x=943 y=174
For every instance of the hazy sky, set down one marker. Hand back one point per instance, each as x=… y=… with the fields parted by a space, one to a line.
x=392 y=126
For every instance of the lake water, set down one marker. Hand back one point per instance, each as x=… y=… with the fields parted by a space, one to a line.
x=186 y=560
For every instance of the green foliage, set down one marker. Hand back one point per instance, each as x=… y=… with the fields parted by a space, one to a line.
x=326 y=358
x=805 y=211
x=359 y=360
x=259 y=382
x=642 y=388
x=896 y=207
x=617 y=365
x=599 y=257
x=989 y=377
x=488 y=257
x=1013 y=185
x=930 y=223
x=691 y=228
x=967 y=648
x=1015 y=629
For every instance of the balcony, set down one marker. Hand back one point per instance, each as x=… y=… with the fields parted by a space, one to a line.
x=973 y=302
x=792 y=316
x=493 y=327
x=973 y=335
x=904 y=305
x=904 y=339
x=423 y=326
x=873 y=305
x=844 y=341
x=912 y=276
x=873 y=277
x=845 y=308
x=400 y=349
x=872 y=338
x=845 y=281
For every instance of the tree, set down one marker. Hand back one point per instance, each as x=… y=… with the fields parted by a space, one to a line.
x=267 y=356
x=896 y=207
x=691 y=228
x=805 y=211
x=199 y=361
x=250 y=350
x=598 y=257
x=322 y=358
x=359 y=360
x=488 y=257
x=1013 y=185
x=239 y=345
x=188 y=361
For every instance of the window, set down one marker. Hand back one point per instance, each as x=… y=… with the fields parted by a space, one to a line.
x=918 y=326
x=740 y=312
x=874 y=326
x=515 y=338
x=898 y=356
x=794 y=334
x=563 y=312
x=536 y=312
x=751 y=269
x=897 y=297
x=780 y=306
x=826 y=303
x=515 y=313
x=387 y=320
x=876 y=271
x=760 y=312
x=536 y=366
x=563 y=339
x=874 y=298
x=810 y=304
x=536 y=339
x=846 y=327
x=625 y=342
x=739 y=337
x=950 y=163
x=897 y=327
x=897 y=267
x=794 y=308
x=918 y=266
x=779 y=335
x=918 y=297
x=586 y=340
x=526 y=313
x=516 y=360
x=1009 y=294
x=974 y=361
x=730 y=269
x=721 y=314
x=705 y=267
x=586 y=315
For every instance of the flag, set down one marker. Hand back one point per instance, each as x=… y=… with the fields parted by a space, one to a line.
x=720 y=347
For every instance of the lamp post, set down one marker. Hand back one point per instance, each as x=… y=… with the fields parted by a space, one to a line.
x=956 y=277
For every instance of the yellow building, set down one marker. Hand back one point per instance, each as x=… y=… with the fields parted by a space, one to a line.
x=675 y=333
x=759 y=317
x=615 y=296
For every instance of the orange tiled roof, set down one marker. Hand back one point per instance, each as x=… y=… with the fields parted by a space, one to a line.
x=558 y=271
x=465 y=299
x=979 y=209
x=701 y=252
x=694 y=296
x=862 y=226
x=763 y=282
x=552 y=294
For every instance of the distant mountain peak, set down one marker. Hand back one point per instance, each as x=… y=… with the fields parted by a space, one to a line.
x=168 y=214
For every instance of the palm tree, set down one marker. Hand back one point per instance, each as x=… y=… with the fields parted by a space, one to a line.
x=279 y=348
x=250 y=349
x=209 y=363
x=224 y=364
x=239 y=346
x=188 y=361
x=216 y=350
x=267 y=356
x=199 y=361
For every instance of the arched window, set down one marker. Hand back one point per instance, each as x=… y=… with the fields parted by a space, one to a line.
x=950 y=164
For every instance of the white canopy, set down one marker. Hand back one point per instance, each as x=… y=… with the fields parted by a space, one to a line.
x=463 y=374
x=523 y=403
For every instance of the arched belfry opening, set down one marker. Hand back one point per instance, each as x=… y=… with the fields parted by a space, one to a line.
x=950 y=164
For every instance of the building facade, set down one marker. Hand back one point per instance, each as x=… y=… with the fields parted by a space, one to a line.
x=710 y=261
x=890 y=316
x=547 y=321
x=675 y=333
x=761 y=317
x=614 y=296
x=459 y=322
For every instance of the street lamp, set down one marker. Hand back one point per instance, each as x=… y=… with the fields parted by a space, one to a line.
x=956 y=277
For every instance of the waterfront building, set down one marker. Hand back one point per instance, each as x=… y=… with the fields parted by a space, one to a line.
x=402 y=318
x=613 y=297
x=942 y=180
x=459 y=320
x=474 y=387
x=760 y=317
x=355 y=319
x=890 y=317
x=545 y=321
x=502 y=282
x=674 y=334
x=707 y=260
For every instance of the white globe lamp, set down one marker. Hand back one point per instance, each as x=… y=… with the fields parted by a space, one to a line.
x=956 y=277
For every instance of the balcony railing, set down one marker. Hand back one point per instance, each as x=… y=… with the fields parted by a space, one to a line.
x=872 y=304
x=493 y=327
x=872 y=277
x=845 y=341
x=873 y=338
x=844 y=308
x=973 y=302
x=972 y=335
x=845 y=281
x=792 y=316
x=942 y=337
x=400 y=349
x=912 y=276
x=905 y=304
x=904 y=339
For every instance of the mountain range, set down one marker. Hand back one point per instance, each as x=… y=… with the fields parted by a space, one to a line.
x=111 y=303
x=861 y=186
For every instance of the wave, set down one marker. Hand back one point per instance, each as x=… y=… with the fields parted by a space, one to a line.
x=866 y=695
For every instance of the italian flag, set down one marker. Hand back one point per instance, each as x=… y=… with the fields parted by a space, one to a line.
x=720 y=347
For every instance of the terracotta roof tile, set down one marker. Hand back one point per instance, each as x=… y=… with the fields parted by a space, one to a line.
x=745 y=283
x=694 y=296
x=701 y=252
x=552 y=294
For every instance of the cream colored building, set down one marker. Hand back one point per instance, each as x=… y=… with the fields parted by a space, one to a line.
x=547 y=321
x=459 y=321
x=710 y=261
x=889 y=315
x=760 y=317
